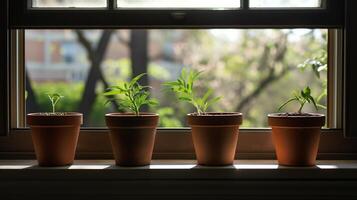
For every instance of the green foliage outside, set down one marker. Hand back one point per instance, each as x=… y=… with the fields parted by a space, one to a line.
x=234 y=70
x=72 y=94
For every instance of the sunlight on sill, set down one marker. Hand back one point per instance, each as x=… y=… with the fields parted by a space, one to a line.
x=241 y=166
x=172 y=166
x=101 y=167
x=89 y=166
x=14 y=166
x=327 y=166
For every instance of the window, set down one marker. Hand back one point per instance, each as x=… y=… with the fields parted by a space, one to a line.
x=49 y=45
x=285 y=3
x=200 y=4
x=253 y=70
x=69 y=3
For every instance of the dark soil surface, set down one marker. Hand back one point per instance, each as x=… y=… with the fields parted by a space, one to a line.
x=54 y=114
x=214 y=114
x=295 y=114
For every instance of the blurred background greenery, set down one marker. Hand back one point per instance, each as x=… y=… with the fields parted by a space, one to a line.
x=253 y=70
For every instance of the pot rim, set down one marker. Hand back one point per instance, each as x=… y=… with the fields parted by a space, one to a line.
x=130 y=114
x=215 y=120
x=41 y=119
x=314 y=120
x=216 y=114
x=311 y=115
x=66 y=114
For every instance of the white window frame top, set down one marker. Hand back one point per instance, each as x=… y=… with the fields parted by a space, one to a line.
x=277 y=4
x=178 y=4
x=70 y=4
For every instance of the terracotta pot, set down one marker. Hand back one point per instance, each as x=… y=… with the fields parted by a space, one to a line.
x=55 y=137
x=296 y=138
x=132 y=137
x=215 y=137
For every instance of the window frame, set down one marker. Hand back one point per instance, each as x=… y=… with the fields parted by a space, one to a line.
x=108 y=3
x=350 y=49
x=332 y=16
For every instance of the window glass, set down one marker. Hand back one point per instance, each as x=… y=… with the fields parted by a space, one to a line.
x=211 y=4
x=284 y=3
x=69 y=3
x=253 y=70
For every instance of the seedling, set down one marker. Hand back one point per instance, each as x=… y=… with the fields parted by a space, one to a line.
x=131 y=95
x=303 y=97
x=54 y=98
x=184 y=89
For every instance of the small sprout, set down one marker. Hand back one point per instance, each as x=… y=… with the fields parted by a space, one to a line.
x=183 y=87
x=303 y=97
x=54 y=98
x=131 y=95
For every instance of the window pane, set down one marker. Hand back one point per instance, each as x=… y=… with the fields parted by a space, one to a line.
x=210 y=4
x=284 y=3
x=69 y=3
x=254 y=71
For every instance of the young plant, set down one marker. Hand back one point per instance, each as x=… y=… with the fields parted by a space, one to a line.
x=303 y=97
x=131 y=95
x=184 y=89
x=54 y=98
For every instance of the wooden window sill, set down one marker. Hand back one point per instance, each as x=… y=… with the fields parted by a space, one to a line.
x=178 y=179
x=240 y=168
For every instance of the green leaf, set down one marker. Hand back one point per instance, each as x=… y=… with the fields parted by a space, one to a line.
x=136 y=79
x=153 y=102
x=321 y=106
x=183 y=98
x=313 y=102
x=213 y=101
x=207 y=94
x=112 y=92
x=307 y=91
x=286 y=103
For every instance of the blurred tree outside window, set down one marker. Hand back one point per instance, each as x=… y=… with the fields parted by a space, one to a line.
x=254 y=70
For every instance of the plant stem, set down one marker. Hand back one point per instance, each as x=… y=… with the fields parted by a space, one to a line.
x=301 y=106
x=53 y=105
x=135 y=109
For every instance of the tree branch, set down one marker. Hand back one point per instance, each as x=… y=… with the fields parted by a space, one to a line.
x=85 y=43
x=31 y=102
x=122 y=39
x=268 y=80
x=271 y=77
x=95 y=73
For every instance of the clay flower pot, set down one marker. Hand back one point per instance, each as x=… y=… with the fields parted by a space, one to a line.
x=296 y=137
x=55 y=137
x=132 y=137
x=215 y=137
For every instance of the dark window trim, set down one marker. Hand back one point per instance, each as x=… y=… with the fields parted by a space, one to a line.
x=331 y=16
x=4 y=66
x=350 y=63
